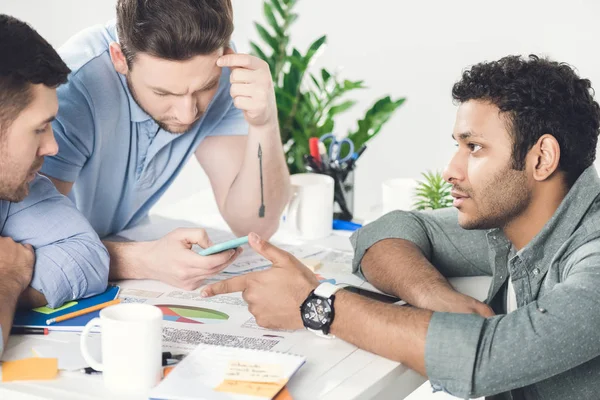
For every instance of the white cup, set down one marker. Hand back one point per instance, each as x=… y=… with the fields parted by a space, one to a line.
x=309 y=212
x=398 y=194
x=131 y=347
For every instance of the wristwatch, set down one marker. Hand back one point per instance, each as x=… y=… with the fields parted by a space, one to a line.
x=317 y=310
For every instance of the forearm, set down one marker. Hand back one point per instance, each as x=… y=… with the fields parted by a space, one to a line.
x=31 y=298
x=391 y=331
x=126 y=260
x=399 y=267
x=72 y=269
x=255 y=203
x=8 y=301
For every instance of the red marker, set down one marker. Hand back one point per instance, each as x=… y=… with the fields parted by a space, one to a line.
x=313 y=145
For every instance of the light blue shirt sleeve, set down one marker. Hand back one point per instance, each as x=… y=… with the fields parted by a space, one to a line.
x=232 y=124
x=73 y=130
x=71 y=261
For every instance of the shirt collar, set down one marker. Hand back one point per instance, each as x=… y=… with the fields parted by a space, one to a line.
x=542 y=249
x=135 y=111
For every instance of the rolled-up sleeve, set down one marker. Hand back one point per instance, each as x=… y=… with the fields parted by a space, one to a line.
x=469 y=356
x=71 y=261
x=232 y=124
x=452 y=250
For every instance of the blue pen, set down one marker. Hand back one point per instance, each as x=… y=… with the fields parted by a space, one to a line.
x=341 y=225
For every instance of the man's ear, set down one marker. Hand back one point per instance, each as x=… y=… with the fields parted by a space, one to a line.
x=118 y=58
x=545 y=157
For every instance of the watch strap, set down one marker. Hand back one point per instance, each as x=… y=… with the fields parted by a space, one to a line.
x=326 y=289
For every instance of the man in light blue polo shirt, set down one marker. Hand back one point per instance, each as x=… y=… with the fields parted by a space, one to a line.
x=148 y=92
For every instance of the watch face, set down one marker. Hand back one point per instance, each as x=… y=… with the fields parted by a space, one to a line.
x=316 y=313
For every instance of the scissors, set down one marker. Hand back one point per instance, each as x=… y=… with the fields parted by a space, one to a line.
x=335 y=148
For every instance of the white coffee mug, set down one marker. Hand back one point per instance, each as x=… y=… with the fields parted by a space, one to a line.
x=131 y=347
x=309 y=212
x=398 y=194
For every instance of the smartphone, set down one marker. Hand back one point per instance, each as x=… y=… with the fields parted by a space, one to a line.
x=218 y=248
x=386 y=298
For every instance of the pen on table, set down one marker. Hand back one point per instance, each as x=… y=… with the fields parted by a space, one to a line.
x=90 y=371
x=18 y=330
x=167 y=355
x=167 y=359
x=82 y=312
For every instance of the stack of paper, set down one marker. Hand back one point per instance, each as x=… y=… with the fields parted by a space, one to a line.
x=217 y=372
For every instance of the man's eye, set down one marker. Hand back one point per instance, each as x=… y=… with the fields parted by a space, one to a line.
x=474 y=147
x=42 y=130
x=160 y=94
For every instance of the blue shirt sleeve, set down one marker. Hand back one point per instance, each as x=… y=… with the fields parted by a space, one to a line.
x=73 y=130
x=232 y=124
x=71 y=261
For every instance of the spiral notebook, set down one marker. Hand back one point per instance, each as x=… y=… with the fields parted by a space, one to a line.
x=227 y=373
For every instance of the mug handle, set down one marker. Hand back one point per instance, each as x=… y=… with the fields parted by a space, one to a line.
x=291 y=211
x=84 y=344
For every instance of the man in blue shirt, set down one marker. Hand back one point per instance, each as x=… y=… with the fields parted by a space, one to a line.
x=148 y=92
x=49 y=253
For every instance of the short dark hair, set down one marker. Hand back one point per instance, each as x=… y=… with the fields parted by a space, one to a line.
x=539 y=96
x=173 y=29
x=27 y=59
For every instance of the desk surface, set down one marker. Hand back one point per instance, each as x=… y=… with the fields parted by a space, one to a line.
x=359 y=375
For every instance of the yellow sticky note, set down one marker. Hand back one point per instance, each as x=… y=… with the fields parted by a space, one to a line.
x=47 y=310
x=258 y=389
x=30 y=369
x=284 y=395
x=253 y=372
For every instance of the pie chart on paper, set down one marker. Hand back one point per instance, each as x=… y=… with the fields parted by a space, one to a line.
x=191 y=315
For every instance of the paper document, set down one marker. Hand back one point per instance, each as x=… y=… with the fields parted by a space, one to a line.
x=190 y=320
x=207 y=373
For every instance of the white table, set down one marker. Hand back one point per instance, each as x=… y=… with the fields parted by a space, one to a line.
x=361 y=375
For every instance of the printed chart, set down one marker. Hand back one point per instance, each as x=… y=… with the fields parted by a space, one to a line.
x=191 y=315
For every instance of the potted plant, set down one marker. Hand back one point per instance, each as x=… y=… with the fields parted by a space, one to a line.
x=432 y=192
x=308 y=103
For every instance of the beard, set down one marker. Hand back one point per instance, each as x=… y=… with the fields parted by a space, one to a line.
x=502 y=199
x=12 y=192
x=163 y=124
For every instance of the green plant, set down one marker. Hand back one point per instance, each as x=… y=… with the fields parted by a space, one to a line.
x=307 y=103
x=433 y=192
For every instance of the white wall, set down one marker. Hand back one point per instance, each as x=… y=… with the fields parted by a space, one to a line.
x=401 y=48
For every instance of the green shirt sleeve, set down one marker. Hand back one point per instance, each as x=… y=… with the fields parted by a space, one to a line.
x=452 y=250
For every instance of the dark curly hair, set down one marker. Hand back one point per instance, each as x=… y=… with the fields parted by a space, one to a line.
x=539 y=96
x=27 y=59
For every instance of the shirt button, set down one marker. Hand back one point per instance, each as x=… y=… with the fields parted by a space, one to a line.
x=542 y=310
x=536 y=272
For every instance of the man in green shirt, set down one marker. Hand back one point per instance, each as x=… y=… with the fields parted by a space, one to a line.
x=527 y=213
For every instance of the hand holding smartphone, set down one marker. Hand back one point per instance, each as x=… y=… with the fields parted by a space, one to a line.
x=218 y=248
